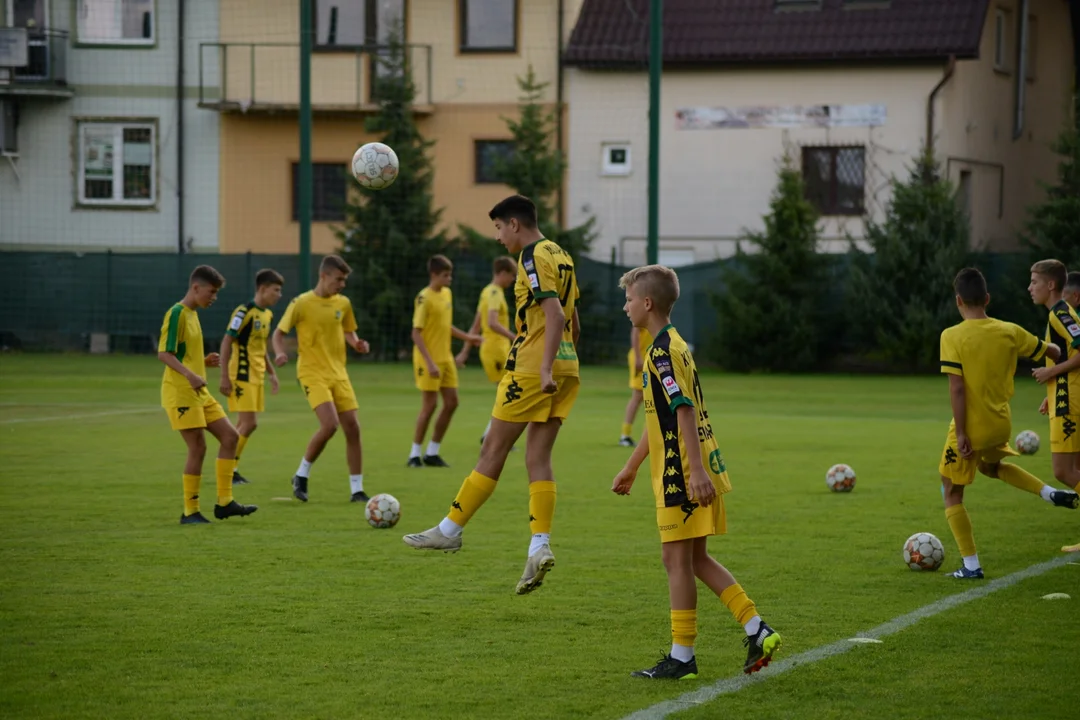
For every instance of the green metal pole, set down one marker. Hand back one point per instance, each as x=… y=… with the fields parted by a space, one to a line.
x=305 y=199
x=656 y=61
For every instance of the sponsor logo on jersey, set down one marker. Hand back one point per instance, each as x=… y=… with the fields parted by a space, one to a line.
x=670 y=385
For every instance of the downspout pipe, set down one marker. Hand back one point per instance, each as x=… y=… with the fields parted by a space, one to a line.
x=950 y=68
x=180 y=245
x=560 y=110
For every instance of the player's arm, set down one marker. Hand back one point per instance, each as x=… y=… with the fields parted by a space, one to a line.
x=467 y=337
x=958 y=401
x=418 y=341
x=226 y=351
x=170 y=359
x=700 y=486
x=357 y=343
x=554 y=321
x=624 y=480
x=575 y=327
x=277 y=340
x=494 y=324
x=635 y=345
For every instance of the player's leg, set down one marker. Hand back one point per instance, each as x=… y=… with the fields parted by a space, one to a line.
x=449 y=406
x=195 y=439
x=354 y=455
x=428 y=401
x=221 y=428
x=327 y=416
x=538 y=446
x=626 y=439
x=1066 y=468
x=474 y=492
x=680 y=663
x=960 y=525
x=1021 y=479
x=246 y=423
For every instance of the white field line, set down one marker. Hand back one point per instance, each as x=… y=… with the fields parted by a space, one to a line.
x=78 y=416
x=734 y=684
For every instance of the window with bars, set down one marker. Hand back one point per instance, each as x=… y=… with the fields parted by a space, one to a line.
x=835 y=179
x=117 y=163
x=329 y=187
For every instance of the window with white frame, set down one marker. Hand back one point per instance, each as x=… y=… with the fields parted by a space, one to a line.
x=117 y=163
x=1001 y=39
x=115 y=22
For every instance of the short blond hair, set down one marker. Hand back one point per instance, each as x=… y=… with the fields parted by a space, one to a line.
x=657 y=282
x=1053 y=270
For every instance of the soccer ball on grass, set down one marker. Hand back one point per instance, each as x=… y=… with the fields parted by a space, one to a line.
x=923 y=551
x=383 y=511
x=375 y=166
x=840 y=478
x=1027 y=442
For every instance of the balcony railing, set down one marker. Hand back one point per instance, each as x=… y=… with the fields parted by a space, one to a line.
x=253 y=77
x=46 y=67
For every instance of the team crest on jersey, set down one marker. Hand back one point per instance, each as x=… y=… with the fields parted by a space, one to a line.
x=258 y=325
x=337 y=315
x=644 y=381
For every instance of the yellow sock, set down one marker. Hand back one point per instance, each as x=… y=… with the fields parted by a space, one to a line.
x=684 y=627
x=627 y=429
x=223 y=468
x=741 y=606
x=541 y=506
x=960 y=524
x=1020 y=478
x=239 y=449
x=474 y=492
x=191 y=494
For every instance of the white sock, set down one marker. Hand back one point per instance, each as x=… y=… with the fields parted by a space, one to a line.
x=682 y=653
x=971 y=562
x=1046 y=492
x=449 y=528
x=356 y=482
x=488 y=428
x=538 y=541
x=432 y=447
x=305 y=468
x=415 y=452
x=753 y=625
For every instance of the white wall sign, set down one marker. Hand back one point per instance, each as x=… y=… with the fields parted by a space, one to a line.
x=780 y=116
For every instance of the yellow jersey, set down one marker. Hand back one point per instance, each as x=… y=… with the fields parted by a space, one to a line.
x=181 y=335
x=1063 y=330
x=670 y=379
x=984 y=353
x=644 y=341
x=249 y=329
x=545 y=270
x=321 y=324
x=493 y=298
x=433 y=315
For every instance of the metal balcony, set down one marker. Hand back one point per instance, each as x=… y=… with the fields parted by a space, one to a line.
x=265 y=77
x=45 y=74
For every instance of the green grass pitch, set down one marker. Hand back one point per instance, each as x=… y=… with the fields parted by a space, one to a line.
x=109 y=608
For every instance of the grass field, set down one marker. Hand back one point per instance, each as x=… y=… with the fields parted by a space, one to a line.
x=109 y=608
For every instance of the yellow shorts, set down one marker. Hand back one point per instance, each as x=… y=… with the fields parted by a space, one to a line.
x=339 y=392
x=493 y=357
x=204 y=411
x=447 y=376
x=247 y=397
x=635 y=374
x=961 y=471
x=676 y=524
x=1064 y=434
x=520 y=400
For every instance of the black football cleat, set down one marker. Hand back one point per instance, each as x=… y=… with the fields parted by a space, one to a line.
x=761 y=648
x=435 y=461
x=414 y=462
x=669 y=669
x=299 y=488
x=233 y=509
x=238 y=479
x=194 y=519
x=1065 y=499
x=359 y=496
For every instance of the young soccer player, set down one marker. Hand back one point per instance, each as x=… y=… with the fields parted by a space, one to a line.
x=1072 y=290
x=433 y=360
x=188 y=403
x=492 y=321
x=537 y=390
x=1049 y=280
x=242 y=372
x=689 y=480
x=979 y=355
x=324 y=323
x=640 y=340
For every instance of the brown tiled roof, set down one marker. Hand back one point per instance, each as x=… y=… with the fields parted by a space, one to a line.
x=615 y=33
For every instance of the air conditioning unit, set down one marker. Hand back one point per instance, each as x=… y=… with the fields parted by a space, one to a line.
x=9 y=123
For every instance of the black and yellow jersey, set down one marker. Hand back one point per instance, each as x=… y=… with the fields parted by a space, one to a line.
x=545 y=270
x=1063 y=330
x=249 y=328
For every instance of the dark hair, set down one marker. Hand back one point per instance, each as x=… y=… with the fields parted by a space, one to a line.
x=504 y=264
x=515 y=207
x=1053 y=270
x=207 y=275
x=438 y=264
x=970 y=285
x=266 y=276
x=334 y=262
x=1072 y=280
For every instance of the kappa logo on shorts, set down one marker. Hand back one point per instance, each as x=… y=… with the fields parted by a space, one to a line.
x=419 y=372
x=688 y=507
x=1068 y=427
x=671 y=489
x=239 y=392
x=307 y=390
x=950 y=456
x=180 y=411
x=513 y=391
x=498 y=366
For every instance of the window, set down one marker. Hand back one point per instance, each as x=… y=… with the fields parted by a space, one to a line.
x=117 y=163
x=328 y=189
x=835 y=179
x=488 y=25
x=348 y=24
x=1001 y=40
x=489 y=155
x=615 y=159
x=115 y=22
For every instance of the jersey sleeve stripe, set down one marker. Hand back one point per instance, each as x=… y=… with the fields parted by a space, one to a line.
x=174 y=328
x=545 y=294
x=949 y=363
x=681 y=400
x=1040 y=348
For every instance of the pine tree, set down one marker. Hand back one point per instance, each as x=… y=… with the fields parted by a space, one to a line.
x=389 y=234
x=1053 y=226
x=771 y=310
x=901 y=295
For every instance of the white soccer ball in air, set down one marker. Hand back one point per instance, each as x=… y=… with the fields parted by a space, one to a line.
x=1027 y=442
x=923 y=551
x=383 y=511
x=375 y=166
x=840 y=478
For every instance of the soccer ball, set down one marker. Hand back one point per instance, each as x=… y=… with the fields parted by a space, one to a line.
x=375 y=166
x=1027 y=443
x=923 y=551
x=840 y=478
x=383 y=511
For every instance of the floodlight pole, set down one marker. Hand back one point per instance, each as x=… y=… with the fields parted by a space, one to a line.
x=304 y=179
x=656 y=61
